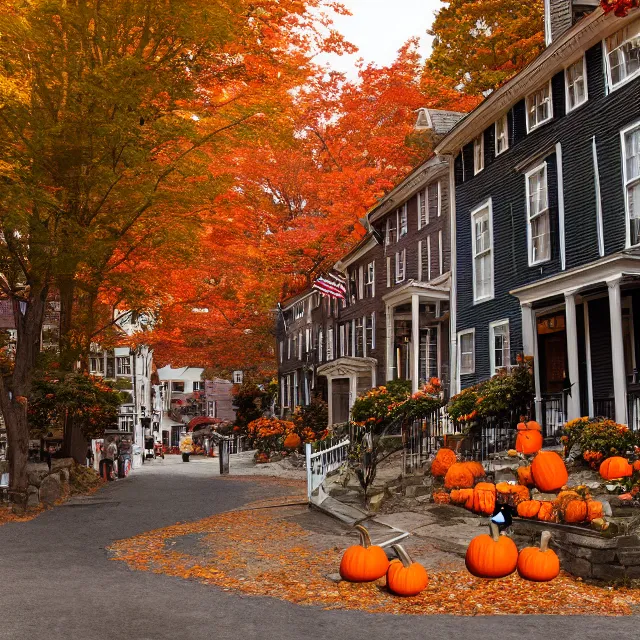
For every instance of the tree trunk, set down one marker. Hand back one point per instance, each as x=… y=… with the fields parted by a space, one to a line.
x=66 y=289
x=74 y=444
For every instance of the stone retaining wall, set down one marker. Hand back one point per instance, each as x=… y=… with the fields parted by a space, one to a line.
x=47 y=485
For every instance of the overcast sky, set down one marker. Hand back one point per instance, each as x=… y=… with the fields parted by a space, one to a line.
x=380 y=27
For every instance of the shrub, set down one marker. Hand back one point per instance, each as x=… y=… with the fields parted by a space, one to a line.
x=598 y=438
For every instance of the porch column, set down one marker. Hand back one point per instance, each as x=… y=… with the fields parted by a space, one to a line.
x=573 y=401
x=330 y=399
x=617 y=351
x=529 y=348
x=415 y=339
x=390 y=340
x=353 y=390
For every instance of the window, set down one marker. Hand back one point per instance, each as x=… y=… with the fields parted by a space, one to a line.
x=499 y=346
x=343 y=341
x=177 y=386
x=440 y=254
x=298 y=310
x=370 y=333
x=353 y=284
x=623 y=55
x=198 y=385
x=539 y=107
x=96 y=364
x=482 y=253
x=428 y=356
x=123 y=366
x=401 y=264
x=300 y=346
x=359 y=334
x=238 y=377
x=502 y=134
x=423 y=211
x=575 y=81
x=320 y=345
x=307 y=341
x=295 y=345
x=402 y=221
x=125 y=423
x=391 y=236
x=329 y=344
x=538 y=216
x=369 y=285
x=478 y=154
x=467 y=342
x=631 y=173
x=284 y=383
x=296 y=391
x=289 y=348
x=428 y=270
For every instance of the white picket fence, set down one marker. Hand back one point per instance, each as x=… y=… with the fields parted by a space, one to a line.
x=322 y=462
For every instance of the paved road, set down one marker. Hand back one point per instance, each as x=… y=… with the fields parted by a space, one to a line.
x=56 y=582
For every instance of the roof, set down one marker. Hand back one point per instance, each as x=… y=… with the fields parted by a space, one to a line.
x=566 y=50
x=438 y=120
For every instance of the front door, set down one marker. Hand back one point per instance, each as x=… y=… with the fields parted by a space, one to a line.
x=340 y=396
x=552 y=352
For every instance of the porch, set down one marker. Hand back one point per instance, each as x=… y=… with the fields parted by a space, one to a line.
x=580 y=327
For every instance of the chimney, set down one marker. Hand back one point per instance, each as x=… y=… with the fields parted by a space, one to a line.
x=561 y=15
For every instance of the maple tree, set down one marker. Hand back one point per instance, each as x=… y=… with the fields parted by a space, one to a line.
x=482 y=43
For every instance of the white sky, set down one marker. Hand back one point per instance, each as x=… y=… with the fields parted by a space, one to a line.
x=380 y=27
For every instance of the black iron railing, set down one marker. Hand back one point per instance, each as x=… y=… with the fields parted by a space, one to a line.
x=554 y=414
x=604 y=408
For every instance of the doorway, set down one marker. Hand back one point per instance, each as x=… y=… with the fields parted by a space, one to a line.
x=552 y=353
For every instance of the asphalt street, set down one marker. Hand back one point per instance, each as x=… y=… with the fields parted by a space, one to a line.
x=57 y=582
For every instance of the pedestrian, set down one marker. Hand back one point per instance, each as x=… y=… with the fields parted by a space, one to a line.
x=89 y=456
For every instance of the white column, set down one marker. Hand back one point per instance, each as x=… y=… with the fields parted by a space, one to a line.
x=530 y=348
x=330 y=399
x=353 y=390
x=390 y=338
x=617 y=351
x=573 y=401
x=415 y=339
x=587 y=344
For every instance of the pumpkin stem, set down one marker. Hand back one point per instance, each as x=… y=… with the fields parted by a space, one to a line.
x=495 y=531
x=365 y=538
x=404 y=556
x=545 y=538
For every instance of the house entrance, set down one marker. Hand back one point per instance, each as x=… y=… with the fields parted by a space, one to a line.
x=552 y=353
x=340 y=393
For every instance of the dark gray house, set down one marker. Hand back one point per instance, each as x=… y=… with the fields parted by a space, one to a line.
x=547 y=221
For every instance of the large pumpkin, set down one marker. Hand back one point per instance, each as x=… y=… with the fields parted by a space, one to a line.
x=443 y=460
x=476 y=469
x=405 y=577
x=511 y=494
x=615 y=467
x=530 y=425
x=363 y=562
x=491 y=556
x=524 y=477
x=539 y=565
x=463 y=497
x=484 y=498
x=529 y=441
x=549 y=471
x=459 y=477
x=528 y=508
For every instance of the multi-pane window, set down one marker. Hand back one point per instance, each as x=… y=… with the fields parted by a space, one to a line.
x=631 y=172
x=623 y=55
x=370 y=332
x=478 y=154
x=353 y=284
x=329 y=344
x=467 y=347
x=539 y=107
x=576 y=84
x=428 y=357
x=298 y=310
x=433 y=200
x=359 y=353
x=423 y=210
x=482 y=253
x=538 y=215
x=499 y=345
x=369 y=284
x=402 y=221
x=123 y=366
x=502 y=134
x=96 y=364
x=198 y=385
x=177 y=386
x=401 y=265
x=391 y=236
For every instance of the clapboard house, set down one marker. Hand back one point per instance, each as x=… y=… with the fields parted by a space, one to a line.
x=547 y=220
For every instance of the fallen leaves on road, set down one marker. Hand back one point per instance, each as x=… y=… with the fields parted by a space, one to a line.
x=7 y=515
x=262 y=552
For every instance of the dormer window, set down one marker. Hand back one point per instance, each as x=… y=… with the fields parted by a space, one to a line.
x=478 y=154
x=502 y=135
x=298 y=310
x=539 y=107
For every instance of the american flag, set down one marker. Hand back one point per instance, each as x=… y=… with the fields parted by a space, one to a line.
x=331 y=285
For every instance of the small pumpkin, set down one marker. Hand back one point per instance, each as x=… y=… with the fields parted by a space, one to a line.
x=512 y=453
x=549 y=471
x=615 y=467
x=491 y=556
x=636 y=465
x=484 y=498
x=363 y=562
x=476 y=469
x=530 y=425
x=441 y=497
x=529 y=441
x=547 y=513
x=404 y=576
x=529 y=508
x=524 y=476
x=459 y=477
x=594 y=510
x=512 y=494
x=539 y=564
x=292 y=441
x=441 y=463
x=463 y=497
x=575 y=511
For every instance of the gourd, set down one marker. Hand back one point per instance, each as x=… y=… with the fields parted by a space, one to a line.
x=491 y=556
x=363 y=562
x=484 y=498
x=539 y=564
x=524 y=476
x=511 y=494
x=463 y=497
x=404 y=576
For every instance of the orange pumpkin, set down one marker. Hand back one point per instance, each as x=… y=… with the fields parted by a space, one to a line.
x=615 y=467
x=441 y=497
x=405 y=577
x=636 y=465
x=476 y=469
x=529 y=441
x=529 y=508
x=547 y=512
x=463 y=497
x=363 y=562
x=524 y=477
x=491 y=556
x=459 y=477
x=531 y=425
x=512 y=494
x=539 y=564
x=484 y=498
x=594 y=510
x=575 y=511
x=292 y=441
x=443 y=460
x=549 y=471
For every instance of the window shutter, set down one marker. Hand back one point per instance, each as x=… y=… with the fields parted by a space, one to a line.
x=361 y=282
x=388 y=271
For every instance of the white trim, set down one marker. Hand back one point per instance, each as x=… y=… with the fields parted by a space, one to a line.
x=428 y=258
x=587 y=343
x=547 y=22
x=487 y=204
x=606 y=52
x=561 y=229
x=439 y=199
x=526 y=105
x=478 y=162
x=388 y=271
x=454 y=378
x=627 y=217
x=504 y=117
x=492 y=350
x=569 y=108
x=599 y=224
x=419 y=259
x=543 y=165
x=440 y=253
x=465 y=332
x=419 y=199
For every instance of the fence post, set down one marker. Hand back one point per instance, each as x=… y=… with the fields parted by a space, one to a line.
x=307 y=455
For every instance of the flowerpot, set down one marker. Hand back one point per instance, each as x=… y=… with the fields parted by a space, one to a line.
x=185 y=457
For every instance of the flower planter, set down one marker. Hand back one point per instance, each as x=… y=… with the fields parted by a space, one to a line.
x=185 y=457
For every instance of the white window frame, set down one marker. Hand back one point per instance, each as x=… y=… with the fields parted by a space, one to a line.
x=320 y=344
x=388 y=271
x=100 y=360
x=478 y=154
x=487 y=205
x=403 y=222
x=388 y=230
x=372 y=318
x=634 y=30
x=401 y=266
x=307 y=340
x=428 y=258
x=370 y=283
x=492 y=347
x=329 y=344
x=503 y=121
x=570 y=107
x=298 y=310
x=532 y=262
x=284 y=382
x=440 y=196
x=121 y=360
x=440 y=253
x=423 y=209
x=300 y=345
x=531 y=127
x=472 y=369
x=198 y=385
x=628 y=182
